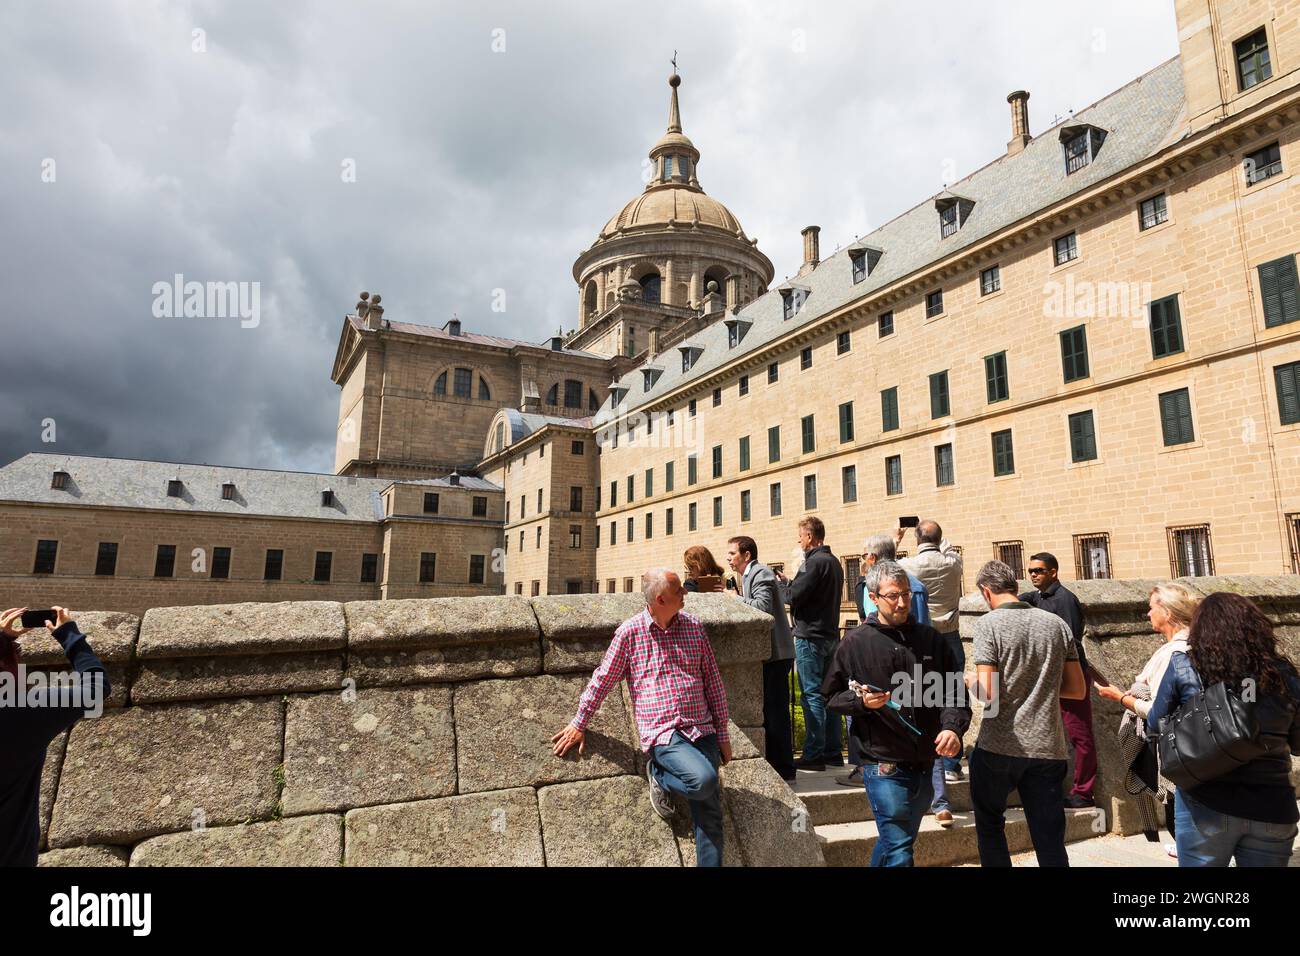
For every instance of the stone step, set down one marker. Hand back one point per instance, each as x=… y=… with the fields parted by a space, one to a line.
x=851 y=844
x=830 y=802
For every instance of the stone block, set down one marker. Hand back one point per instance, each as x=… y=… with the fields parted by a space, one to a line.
x=744 y=683
x=253 y=628
x=84 y=857
x=50 y=782
x=500 y=828
x=504 y=728
x=388 y=745
x=207 y=678
x=773 y=827
x=141 y=771
x=604 y=823
x=292 y=841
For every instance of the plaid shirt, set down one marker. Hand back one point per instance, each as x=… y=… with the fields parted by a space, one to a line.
x=672 y=677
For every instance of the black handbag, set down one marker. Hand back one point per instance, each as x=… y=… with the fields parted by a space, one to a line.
x=1212 y=734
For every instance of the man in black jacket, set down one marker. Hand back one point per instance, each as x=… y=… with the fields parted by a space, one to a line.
x=26 y=731
x=814 y=598
x=900 y=733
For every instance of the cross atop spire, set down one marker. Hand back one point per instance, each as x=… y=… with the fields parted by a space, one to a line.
x=674 y=111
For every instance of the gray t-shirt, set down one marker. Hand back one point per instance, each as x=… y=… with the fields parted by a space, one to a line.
x=1029 y=647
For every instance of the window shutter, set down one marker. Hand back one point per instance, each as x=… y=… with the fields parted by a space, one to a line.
x=1287 y=292
x=1288 y=392
x=1277 y=287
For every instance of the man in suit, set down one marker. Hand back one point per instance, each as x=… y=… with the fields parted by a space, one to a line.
x=758 y=589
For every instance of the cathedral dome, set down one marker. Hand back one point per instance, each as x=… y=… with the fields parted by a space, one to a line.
x=680 y=205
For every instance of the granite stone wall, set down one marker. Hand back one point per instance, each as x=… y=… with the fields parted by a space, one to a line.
x=1118 y=641
x=390 y=733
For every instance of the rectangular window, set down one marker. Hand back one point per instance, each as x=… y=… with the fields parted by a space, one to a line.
x=1092 y=556
x=613 y=533
x=106 y=559
x=668 y=476
x=894 y=475
x=805 y=358
x=939 y=404
x=577 y=448
x=1153 y=211
x=1176 y=417
x=990 y=280
x=369 y=568
x=1012 y=554
x=324 y=566
x=1253 y=65
x=843 y=343
x=744 y=506
x=1166 y=327
x=773 y=373
x=859 y=263
x=717 y=512
x=649 y=525
x=1287 y=379
x=744 y=453
x=575 y=536
x=717 y=461
x=461 y=382
x=575 y=499
x=717 y=397
x=1293 y=529
x=538 y=542
x=539 y=500
x=774 y=499
x=1279 y=291
x=852 y=574
x=807 y=434
x=1083 y=437
x=889 y=409
x=691 y=408
x=164 y=562
x=849 y=483
x=743 y=387
x=692 y=516
x=1190 y=555
x=692 y=470
x=943 y=471
x=668 y=521
x=537 y=585
x=480 y=507
x=885 y=324
x=995 y=377
x=613 y=498
x=1263 y=164
x=221 y=563
x=272 y=570
x=1076 y=153
x=934 y=303
x=476 y=568
x=649 y=482
x=597 y=537
x=428 y=567
x=431 y=502
x=846 y=422
x=947 y=221
x=1066 y=248
x=809 y=492
x=1004 y=458
x=1074 y=353
x=572 y=393
x=774 y=444
x=631 y=489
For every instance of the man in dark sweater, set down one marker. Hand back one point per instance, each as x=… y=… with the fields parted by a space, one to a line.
x=814 y=598
x=26 y=731
x=900 y=734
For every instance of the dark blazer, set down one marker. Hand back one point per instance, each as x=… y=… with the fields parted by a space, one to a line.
x=760 y=591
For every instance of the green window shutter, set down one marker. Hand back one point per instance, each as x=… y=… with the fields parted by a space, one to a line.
x=1288 y=392
x=1277 y=286
x=995 y=377
x=889 y=409
x=1176 y=417
x=938 y=394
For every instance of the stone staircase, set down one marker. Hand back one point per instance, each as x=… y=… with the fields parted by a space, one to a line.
x=841 y=817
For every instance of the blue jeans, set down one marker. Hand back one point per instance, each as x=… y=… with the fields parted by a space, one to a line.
x=690 y=769
x=940 y=800
x=953 y=640
x=821 y=729
x=992 y=778
x=898 y=800
x=1207 y=837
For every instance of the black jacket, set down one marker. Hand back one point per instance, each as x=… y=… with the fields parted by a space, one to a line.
x=25 y=733
x=814 y=596
x=873 y=654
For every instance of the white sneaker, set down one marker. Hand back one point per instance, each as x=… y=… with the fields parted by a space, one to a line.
x=1171 y=849
x=952 y=776
x=658 y=795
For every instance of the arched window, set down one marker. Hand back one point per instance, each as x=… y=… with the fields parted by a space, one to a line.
x=553 y=396
x=440 y=386
x=593 y=403
x=589 y=302
x=650 y=287
x=484 y=393
x=501 y=436
x=572 y=393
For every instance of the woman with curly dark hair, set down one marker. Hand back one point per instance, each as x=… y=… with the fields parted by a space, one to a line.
x=1248 y=813
x=703 y=573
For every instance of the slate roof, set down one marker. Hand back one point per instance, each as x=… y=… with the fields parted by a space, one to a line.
x=473 y=338
x=1140 y=119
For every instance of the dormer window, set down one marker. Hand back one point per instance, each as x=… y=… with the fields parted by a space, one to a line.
x=736 y=329
x=617 y=393
x=947 y=221
x=953 y=213
x=863 y=260
x=326 y=498
x=1081 y=145
x=175 y=488
x=227 y=491
x=651 y=375
x=690 y=353
x=792 y=299
x=59 y=481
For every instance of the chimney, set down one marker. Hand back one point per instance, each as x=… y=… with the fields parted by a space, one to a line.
x=733 y=292
x=811 y=256
x=454 y=478
x=1020 y=137
x=452 y=327
x=654 y=343
x=557 y=343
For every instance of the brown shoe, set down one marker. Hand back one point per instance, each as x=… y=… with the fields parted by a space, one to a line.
x=944 y=818
x=851 y=779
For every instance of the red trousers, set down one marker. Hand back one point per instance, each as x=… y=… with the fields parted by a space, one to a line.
x=1077 y=715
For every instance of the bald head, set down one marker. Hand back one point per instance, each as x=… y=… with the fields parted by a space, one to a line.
x=929 y=532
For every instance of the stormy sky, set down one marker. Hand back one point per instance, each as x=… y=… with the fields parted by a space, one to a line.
x=436 y=152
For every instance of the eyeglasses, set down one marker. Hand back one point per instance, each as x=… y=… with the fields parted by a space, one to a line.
x=894 y=597
x=1035 y=571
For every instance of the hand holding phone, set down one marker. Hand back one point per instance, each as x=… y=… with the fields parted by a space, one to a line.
x=872 y=697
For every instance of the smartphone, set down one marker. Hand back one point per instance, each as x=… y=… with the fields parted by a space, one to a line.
x=37 y=618
x=909 y=521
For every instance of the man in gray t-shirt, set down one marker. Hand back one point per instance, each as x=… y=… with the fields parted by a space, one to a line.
x=1025 y=662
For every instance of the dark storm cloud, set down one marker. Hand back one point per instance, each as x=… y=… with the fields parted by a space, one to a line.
x=475 y=170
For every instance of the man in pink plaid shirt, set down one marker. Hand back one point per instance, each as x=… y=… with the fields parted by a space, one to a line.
x=679 y=704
